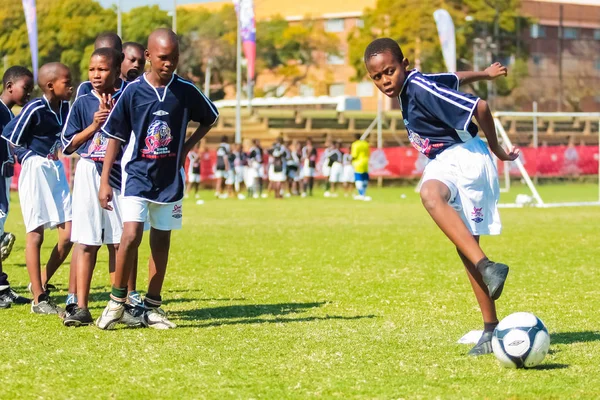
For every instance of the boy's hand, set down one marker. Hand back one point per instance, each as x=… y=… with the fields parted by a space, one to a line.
x=105 y=195
x=495 y=70
x=100 y=117
x=512 y=155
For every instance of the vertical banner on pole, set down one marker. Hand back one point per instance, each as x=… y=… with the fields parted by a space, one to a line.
x=31 y=19
x=445 y=28
x=245 y=9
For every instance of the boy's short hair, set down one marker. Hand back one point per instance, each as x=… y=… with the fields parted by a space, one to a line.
x=110 y=54
x=138 y=46
x=382 y=45
x=15 y=73
x=109 y=39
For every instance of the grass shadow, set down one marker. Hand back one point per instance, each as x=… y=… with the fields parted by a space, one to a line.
x=278 y=320
x=544 y=367
x=574 y=337
x=245 y=311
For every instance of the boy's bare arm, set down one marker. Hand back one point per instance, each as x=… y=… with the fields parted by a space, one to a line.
x=483 y=116
x=105 y=193
x=197 y=136
x=492 y=72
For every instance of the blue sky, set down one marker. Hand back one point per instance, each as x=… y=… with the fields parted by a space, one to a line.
x=164 y=4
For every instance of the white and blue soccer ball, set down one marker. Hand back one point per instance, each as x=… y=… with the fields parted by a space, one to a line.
x=521 y=340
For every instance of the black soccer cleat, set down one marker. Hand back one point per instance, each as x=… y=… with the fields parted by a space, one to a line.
x=4 y=304
x=483 y=346
x=77 y=316
x=494 y=276
x=10 y=296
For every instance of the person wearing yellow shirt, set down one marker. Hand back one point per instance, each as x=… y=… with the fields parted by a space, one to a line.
x=361 y=151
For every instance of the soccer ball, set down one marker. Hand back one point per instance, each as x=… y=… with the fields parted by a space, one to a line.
x=520 y=340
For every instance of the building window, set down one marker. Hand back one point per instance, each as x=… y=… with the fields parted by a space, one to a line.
x=335 y=59
x=570 y=33
x=280 y=91
x=307 y=91
x=360 y=23
x=597 y=34
x=337 y=89
x=537 y=31
x=365 y=89
x=334 y=25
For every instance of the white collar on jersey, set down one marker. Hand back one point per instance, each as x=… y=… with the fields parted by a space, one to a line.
x=58 y=118
x=156 y=91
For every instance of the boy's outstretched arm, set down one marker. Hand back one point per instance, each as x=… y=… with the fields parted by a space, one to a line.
x=105 y=193
x=492 y=72
x=483 y=115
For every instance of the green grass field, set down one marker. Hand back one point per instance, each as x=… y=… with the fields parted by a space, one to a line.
x=323 y=298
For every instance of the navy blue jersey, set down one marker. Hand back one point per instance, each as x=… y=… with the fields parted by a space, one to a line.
x=7 y=159
x=80 y=117
x=83 y=89
x=37 y=129
x=436 y=115
x=153 y=122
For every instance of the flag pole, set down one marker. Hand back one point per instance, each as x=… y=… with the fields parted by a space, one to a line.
x=238 y=105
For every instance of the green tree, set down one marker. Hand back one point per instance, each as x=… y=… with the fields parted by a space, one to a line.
x=139 y=22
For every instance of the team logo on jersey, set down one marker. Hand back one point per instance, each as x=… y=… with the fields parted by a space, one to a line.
x=157 y=140
x=477 y=215
x=422 y=145
x=177 y=211
x=97 y=148
x=160 y=113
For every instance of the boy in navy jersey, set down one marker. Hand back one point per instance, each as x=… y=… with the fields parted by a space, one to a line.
x=92 y=225
x=460 y=184
x=18 y=85
x=134 y=61
x=151 y=117
x=106 y=39
x=43 y=187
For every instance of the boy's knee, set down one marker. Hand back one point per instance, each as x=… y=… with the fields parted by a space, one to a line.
x=431 y=198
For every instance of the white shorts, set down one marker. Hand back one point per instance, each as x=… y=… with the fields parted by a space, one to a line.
x=470 y=173
x=348 y=174
x=259 y=168
x=221 y=174
x=6 y=200
x=194 y=178
x=293 y=174
x=93 y=225
x=239 y=174
x=164 y=217
x=276 y=176
x=250 y=175
x=44 y=193
x=308 y=172
x=326 y=170
x=337 y=170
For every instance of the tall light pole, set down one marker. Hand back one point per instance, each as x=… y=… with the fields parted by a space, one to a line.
x=119 y=23
x=238 y=94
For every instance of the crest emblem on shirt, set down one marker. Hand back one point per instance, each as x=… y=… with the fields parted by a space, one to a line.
x=160 y=113
x=97 y=147
x=418 y=142
x=157 y=139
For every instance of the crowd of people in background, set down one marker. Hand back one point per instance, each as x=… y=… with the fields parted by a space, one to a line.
x=287 y=168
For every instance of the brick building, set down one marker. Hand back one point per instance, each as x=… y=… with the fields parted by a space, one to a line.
x=576 y=48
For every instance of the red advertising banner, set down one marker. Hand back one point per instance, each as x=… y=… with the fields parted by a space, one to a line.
x=406 y=162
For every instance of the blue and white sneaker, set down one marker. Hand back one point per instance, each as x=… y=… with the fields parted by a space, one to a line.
x=135 y=299
x=71 y=299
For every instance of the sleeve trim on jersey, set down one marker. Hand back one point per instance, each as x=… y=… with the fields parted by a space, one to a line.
x=441 y=89
x=210 y=103
x=113 y=136
x=66 y=143
x=441 y=97
x=468 y=121
x=29 y=113
x=447 y=73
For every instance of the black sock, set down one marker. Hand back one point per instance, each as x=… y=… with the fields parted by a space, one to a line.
x=42 y=297
x=151 y=301
x=489 y=326
x=327 y=186
x=482 y=263
x=311 y=184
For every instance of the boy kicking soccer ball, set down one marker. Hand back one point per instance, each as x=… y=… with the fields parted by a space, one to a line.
x=460 y=184
x=151 y=117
